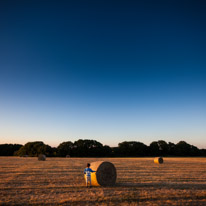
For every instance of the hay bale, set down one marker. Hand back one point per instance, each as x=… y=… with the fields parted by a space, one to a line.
x=105 y=174
x=158 y=160
x=67 y=156
x=42 y=157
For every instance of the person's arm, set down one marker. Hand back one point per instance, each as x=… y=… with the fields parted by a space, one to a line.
x=91 y=170
x=84 y=171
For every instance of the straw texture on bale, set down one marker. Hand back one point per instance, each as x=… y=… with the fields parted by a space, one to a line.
x=158 y=160
x=105 y=174
x=42 y=157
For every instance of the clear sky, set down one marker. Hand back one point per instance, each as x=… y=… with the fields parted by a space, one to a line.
x=111 y=71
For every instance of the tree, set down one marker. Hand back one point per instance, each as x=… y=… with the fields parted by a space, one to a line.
x=163 y=147
x=171 y=149
x=115 y=152
x=159 y=147
x=65 y=148
x=9 y=149
x=203 y=152
x=34 y=149
x=182 y=148
x=88 y=148
x=154 y=149
x=107 y=151
x=133 y=149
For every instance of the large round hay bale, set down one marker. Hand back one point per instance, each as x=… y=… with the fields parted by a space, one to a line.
x=158 y=160
x=105 y=174
x=42 y=157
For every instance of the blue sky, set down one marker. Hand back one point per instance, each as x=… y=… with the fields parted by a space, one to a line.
x=104 y=70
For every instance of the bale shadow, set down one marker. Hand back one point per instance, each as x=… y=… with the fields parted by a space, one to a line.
x=163 y=185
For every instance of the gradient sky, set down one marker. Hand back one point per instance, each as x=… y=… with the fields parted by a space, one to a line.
x=111 y=71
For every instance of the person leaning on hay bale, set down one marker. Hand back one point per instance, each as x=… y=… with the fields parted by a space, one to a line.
x=87 y=172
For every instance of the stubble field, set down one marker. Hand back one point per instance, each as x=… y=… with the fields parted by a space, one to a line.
x=59 y=181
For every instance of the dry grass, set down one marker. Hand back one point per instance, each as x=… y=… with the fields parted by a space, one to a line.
x=60 y=181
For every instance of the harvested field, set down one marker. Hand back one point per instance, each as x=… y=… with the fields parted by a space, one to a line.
x=60 y=181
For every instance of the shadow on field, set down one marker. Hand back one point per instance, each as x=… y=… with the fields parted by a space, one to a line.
x=163 y=185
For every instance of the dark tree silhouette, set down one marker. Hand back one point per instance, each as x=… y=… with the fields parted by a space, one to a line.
x=154 y=149
x=171 y=149
x=182 y=148
x=9 y=149
x=93 y=148
x=132 y=149
x=34 y=149
x=88 y=148
x=65 y=148
x=203 y=152
x=107 y=151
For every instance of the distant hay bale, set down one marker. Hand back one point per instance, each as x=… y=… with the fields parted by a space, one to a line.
x=105 y=174
x=158 y=160
x=42 y=157
x=67 y=156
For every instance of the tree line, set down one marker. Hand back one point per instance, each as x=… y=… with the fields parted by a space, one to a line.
x=93 y=148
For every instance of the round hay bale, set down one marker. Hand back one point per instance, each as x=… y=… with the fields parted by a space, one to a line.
x=158 y=160
x=42 y=157
x=105 y=174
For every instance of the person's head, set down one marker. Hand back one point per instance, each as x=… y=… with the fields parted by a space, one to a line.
x=88 y=165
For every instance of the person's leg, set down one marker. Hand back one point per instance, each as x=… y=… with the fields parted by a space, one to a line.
x=90 y=181
x=86 y=181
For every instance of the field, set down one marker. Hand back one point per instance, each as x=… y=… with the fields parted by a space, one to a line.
x=59 y=181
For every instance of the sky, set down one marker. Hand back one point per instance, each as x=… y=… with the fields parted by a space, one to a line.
x=111 y=71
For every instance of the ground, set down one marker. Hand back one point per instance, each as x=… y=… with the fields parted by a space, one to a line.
x=60 y=181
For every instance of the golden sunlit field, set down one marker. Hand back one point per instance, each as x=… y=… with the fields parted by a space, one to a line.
x=59 y=181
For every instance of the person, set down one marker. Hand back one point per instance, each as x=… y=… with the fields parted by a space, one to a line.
x=87 y=172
